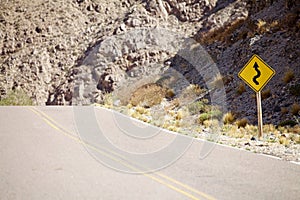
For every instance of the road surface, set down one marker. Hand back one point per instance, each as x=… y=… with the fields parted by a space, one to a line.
x=43 y=155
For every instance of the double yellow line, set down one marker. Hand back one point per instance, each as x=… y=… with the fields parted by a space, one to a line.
x=160 y=178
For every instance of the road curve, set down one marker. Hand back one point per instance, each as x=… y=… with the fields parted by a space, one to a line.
x=42 y=156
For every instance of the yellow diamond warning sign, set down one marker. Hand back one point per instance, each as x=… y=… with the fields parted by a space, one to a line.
x=256 y=73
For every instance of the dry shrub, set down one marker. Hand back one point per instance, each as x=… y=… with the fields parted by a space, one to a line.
x=269 y=128
x=284 y=110
x=241 y=88
x=288 y=76
x=295 y=109
x=190 y=93
x=228 y=118
x=265 y=94
x=148 y=95
x=211 y=123
x=295 y=129
x=227 y=79
x=261 y=26
x=141 y=110
x=251 y=129
x=284 y=141
x=218 y=81
x=173 y=128
x=242 y=123
x=180 y=114
x=222 y=34
x=289 y=21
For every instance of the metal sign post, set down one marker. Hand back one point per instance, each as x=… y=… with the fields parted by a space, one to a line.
x=259 y=114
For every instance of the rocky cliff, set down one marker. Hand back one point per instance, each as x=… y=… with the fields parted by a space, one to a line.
x=75 y=51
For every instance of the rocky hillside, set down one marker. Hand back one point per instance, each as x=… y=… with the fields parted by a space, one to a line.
x=68 y=52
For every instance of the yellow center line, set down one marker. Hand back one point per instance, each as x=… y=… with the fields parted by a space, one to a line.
x=52 y=123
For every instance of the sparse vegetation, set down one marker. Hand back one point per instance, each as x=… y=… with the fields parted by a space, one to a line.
x=295 y=90
x=261 y=26
x=287 y=123
x=108 y=100
x=295 y=109
x=198 y=107
x=218 y=81
x=265 y=94
x=203 y=117
x=228 y=118
x=284 y=110
x=269 y=128
x=16 y=98
x=288 y=76
x=241 y=88
x=284 y=141
x=242 y=123
x=213 y=114
x=211 y=123
x=149 y=95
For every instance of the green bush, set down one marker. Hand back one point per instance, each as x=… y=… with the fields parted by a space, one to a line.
x=287 y=123
x=214 y=114
x=203 y=117
x=196 y=107
x=16 y=98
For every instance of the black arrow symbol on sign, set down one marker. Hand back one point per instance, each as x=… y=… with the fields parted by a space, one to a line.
x=257 y=75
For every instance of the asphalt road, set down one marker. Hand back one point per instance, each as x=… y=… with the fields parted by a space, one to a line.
x=53 y=153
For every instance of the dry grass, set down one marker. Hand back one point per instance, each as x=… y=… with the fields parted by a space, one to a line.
x=261 y=26
x=241 y=88
x=173 y=128
x=274 y=24
x=211 y=123
x=192 y=90
x=228 y=118
x=284 y=110
x=235 y=132
x=181 y=114
x=295 y=129
x=266 y=94
x=288 y=76
x=251 y=129
x=227 y=79
x=284 y=141
x=141 y=110
x=295 y=109
x=242 y=123
x=218 y=81
x=220 y=34
x=148 y=95
x=290 y=22
x=269 y=128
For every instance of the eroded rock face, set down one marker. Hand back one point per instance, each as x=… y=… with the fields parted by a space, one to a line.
x=40 y=41
x=216 y=24
x=123 y=60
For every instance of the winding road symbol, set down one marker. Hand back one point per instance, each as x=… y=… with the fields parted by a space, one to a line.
x=257 y=75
